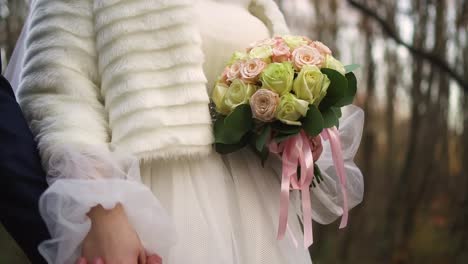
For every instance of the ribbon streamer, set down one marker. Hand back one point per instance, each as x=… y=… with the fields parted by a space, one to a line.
x=333 y=136
x=297 y=151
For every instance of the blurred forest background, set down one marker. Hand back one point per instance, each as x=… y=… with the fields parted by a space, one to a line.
x=414 y=153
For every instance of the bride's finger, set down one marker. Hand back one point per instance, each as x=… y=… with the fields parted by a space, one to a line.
x=154 y=259
x=81 y=261
x=98 y=261
x=142 y=256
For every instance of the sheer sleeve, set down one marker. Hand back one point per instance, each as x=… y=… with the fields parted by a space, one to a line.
x=59 y=93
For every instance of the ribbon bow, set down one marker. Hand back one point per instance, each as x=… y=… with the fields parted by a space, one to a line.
x=297 y=151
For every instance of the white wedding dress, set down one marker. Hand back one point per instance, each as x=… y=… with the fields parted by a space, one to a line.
x=225 y=208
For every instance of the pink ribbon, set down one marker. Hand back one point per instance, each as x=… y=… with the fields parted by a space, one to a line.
x=297 y=151
x=337 y=153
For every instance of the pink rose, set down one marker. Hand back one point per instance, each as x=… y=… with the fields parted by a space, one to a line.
x=316 y=146
x=251 y=69
x=263 y=104
x=322 y=48
x=224 y=78
x=234 y=71
x=279 y=41
x=281 y=52
x=306 y=55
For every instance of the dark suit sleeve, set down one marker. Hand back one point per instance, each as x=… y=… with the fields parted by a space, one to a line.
x=22 y=179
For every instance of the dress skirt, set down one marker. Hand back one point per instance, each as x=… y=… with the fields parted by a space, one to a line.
x=225 y=210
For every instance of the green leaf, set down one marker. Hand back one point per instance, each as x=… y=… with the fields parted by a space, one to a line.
x=337 y=111
x=262 y=138
x=313 y=121
x=352 y=84
x=229 y=148
x=330 y=119
x=282 y=137
x=218 y=128
x=285 y=129
x=350 y=92
x=336 y=90
x=351 y=67
x=318 y=173
x=234 y=126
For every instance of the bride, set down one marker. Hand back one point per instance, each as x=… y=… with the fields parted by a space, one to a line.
x=116 y=92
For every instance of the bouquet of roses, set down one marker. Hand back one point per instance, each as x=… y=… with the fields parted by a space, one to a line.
x=284 y=95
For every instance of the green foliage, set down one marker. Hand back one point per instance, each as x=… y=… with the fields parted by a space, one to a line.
x=330 y=118
x=262 y=138
x=231 y=129
x=313 y=122
x=284 y=131
x=336 y=91
x=260 y=142
x=350 y=91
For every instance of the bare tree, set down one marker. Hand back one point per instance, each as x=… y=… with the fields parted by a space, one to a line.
x=441 y=63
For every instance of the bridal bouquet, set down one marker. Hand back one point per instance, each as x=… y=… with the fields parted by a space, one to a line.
x=284 y=95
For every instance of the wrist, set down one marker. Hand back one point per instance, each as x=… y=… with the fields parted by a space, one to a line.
x=99 y=214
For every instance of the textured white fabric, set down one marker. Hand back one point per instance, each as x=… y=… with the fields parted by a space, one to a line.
x=224 y=209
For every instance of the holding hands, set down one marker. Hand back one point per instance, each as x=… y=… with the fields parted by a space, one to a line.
x=112 y=240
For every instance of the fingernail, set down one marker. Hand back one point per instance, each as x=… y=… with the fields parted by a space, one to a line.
x=98 y=261
x=154 y=259
x=81 y=261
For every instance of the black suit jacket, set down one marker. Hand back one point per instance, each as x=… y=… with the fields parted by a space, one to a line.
x=22 y=179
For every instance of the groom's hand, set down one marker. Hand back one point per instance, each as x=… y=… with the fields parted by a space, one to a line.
x=112 y=238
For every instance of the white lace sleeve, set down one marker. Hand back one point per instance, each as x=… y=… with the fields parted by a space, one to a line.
x=60 y=97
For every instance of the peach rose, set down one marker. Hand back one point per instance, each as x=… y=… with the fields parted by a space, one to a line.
x=234 y=71
x=224 y=78
x=281 y=52
x=279 y=40
x=263 y=104
x=251 y=69
x=306 y=55
x=316 y=146
x=324 y=50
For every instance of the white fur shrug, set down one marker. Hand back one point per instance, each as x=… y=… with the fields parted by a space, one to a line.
x=114 y=74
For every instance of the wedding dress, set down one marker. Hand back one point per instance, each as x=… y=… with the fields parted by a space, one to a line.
x=206 y=208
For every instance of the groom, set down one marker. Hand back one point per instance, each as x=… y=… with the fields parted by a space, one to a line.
x=21 y=177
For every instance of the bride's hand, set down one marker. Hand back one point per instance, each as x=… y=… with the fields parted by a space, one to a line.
x=112 y=238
